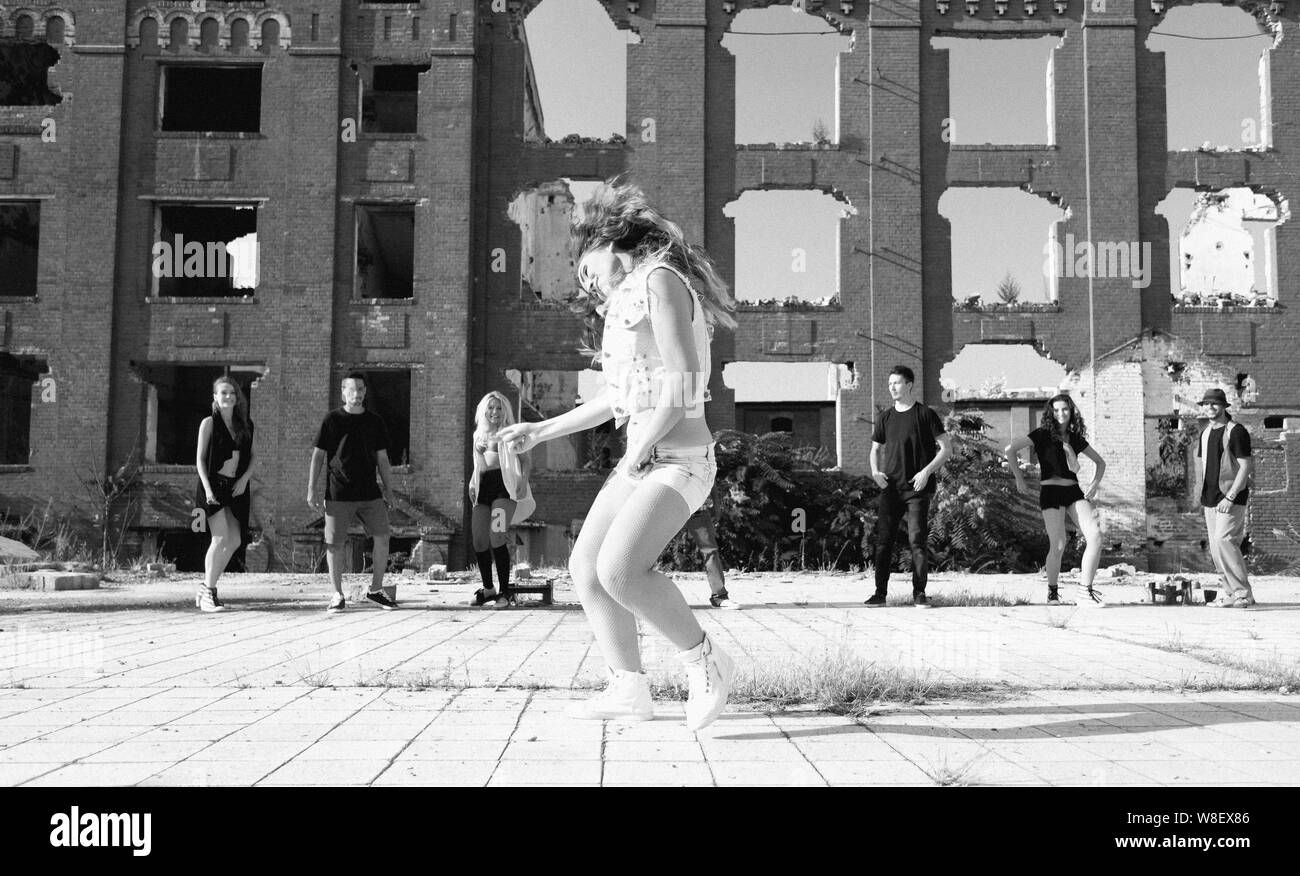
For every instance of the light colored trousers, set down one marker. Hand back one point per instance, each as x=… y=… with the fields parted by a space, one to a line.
x=1225 y=534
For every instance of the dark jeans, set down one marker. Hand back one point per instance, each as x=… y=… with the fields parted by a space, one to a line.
x=700 y=526
x=889 y=512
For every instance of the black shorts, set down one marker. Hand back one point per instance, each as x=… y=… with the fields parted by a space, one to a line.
x=1058 y=496
x=491 y=486
x=223 y=490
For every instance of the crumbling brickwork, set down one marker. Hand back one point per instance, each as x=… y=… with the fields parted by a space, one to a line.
x=101 y=164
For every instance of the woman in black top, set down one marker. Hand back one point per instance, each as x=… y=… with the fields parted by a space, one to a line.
x=225 y=456
x=1057 y=443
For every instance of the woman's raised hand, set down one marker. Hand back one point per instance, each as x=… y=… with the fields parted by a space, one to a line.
x=520 y=436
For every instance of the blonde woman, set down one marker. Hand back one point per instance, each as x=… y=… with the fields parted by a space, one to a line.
x=500 y=494
x=652 y=302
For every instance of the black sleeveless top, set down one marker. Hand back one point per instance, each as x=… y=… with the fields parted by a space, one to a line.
x=223 y=445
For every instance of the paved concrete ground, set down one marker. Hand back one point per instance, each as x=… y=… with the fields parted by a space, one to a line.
x=131 y=685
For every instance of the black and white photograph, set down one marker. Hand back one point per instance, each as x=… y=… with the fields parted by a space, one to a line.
x=428 y=396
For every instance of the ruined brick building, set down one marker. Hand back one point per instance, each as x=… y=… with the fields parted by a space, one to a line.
x=389 y=165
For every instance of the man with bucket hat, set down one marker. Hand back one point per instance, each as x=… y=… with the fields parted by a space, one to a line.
x=1225 y=465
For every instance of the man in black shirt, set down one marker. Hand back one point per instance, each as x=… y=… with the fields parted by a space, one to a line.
x=1225 y=463
x=354 y=442
x=700 y=526
x=908 y=446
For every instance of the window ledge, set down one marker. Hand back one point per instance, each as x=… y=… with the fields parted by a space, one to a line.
x=19 y=299
x=181 y=299
x=375 y=137
x=782 y=307
x=16 y=468
x=167 y=468
x=372 y=302
x=1001 y=147
x=1040 y=307
x=787 y=147
x=209 y=135
x=1230 y=308
x=582 y=143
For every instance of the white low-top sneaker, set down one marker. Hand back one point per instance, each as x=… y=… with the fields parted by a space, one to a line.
x=709 y=672
x=625 y=698
x=1087 y=597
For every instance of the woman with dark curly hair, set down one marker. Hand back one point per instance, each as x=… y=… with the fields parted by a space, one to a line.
x=1057 y=443
x=224 y=460
x=652 y=300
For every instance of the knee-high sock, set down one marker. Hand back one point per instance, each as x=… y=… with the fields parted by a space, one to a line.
x=502 y=556
x=485 y=566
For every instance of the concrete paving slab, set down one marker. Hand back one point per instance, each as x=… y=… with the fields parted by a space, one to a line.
x=279 y=693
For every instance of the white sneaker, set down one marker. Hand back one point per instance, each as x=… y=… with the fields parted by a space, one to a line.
x=625 y=698
x=1088 y=597
x=709 y=672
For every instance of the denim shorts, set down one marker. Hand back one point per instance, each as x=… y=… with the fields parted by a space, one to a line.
x=687 y=470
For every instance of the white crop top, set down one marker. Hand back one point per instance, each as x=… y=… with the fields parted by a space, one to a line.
x=630 y=358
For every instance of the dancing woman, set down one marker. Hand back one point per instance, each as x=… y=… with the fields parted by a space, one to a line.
x=224 y=460
x=499 y=491
x=652 y=300
x=1057 y=442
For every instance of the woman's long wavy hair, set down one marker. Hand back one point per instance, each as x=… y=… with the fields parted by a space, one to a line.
x=1075 y=427
x=480 y=414
x=239 y=420
x=619 y=213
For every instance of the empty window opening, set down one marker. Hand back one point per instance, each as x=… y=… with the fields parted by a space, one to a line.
x=385 y=251
x=1000 y=91
x=543 y=215
x=18 y=376
x=1277 y=421
x=1005 y=246
x=178 y=398
x=388 y=394
x=1223 y=245
x=799 y=398
x=561 y=97
x=787 y=76
x=544 y=394
x=24 y=74
x=788 y=246
x=205 y=250
x=1007 y=383
x=207 y=98
x=20 y=237
x=995 y=371
x=1216 y=76
x=390 y=101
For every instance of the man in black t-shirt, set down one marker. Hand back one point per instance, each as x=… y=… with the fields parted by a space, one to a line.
x=353 y=443
x=908 y=446
x=700 y=526
x=1225 y=464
